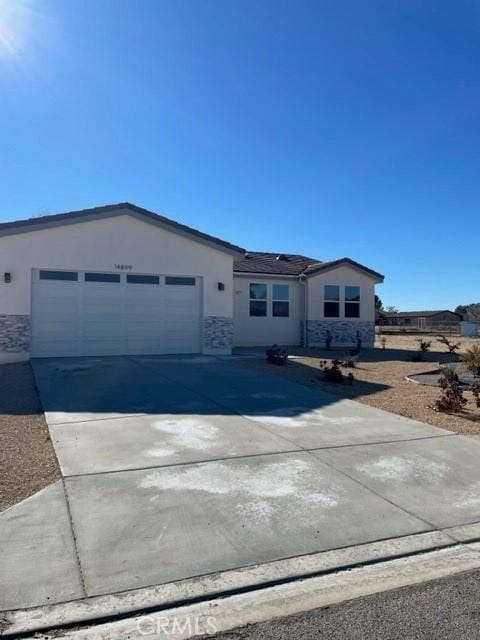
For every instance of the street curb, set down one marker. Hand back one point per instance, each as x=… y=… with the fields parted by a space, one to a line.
x=261 y=605
x=101 y=608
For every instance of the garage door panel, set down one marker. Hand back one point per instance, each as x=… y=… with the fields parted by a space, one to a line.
x=52 y=330
x=114 y=318
x=44 y=348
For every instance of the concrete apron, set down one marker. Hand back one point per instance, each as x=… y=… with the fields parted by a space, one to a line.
x=251 y=594
x=302 y=475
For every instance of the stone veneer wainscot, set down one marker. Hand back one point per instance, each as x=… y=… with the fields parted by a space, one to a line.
x=344 y=332
x=217 y=332
x=14 y=333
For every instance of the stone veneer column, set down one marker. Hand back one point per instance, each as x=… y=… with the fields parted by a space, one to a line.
x=344 y=332
x=14 y=334
x=217 y=333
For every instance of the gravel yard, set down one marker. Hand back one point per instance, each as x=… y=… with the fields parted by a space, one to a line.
x=380 y=380
x=27 y=459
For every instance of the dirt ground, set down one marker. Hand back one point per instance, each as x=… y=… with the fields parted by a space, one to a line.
x=27 y=459
x=380 y=379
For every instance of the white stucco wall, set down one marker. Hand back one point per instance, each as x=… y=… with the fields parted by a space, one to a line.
x=263 y=331
x=99 y=245
x=342 y=276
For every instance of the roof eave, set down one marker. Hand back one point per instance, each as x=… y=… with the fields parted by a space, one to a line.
x=111 y=211
x=334 y=264
x=261 y=274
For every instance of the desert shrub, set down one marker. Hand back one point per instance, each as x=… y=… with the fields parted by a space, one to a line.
x=475 y=389
x=450 y=373
x=275 y=355
x=332 y=373
x=328 y=340
x=383 y=342
x=451 y=346
x=471 y=358
x=350 y=361
x=451 y=398
x=424 y=345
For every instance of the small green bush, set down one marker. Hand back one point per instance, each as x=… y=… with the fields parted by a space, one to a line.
x=471 y=358
x=450 y=373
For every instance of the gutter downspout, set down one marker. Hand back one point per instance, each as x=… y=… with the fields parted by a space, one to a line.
x=304 y=281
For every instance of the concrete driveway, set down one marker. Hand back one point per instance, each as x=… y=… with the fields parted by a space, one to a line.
x=181 y=467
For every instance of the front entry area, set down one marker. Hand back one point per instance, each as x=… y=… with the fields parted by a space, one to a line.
x=89 y=313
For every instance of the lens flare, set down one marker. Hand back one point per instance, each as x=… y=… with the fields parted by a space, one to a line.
x=16 y=18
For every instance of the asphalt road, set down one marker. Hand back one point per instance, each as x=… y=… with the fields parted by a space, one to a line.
x=448 y=609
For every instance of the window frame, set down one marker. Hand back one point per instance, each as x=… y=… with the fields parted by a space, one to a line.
x=96 y=276
x=331 y=301
x=55 y=275
x=136 y=278
x=180 y=281
x=350 y=304
x=255 y=300
x=278 y=300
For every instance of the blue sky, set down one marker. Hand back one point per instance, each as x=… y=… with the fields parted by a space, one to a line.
x=326 y=128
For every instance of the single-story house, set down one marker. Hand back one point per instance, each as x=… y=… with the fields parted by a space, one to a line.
x=119 y=279
x=419 y=319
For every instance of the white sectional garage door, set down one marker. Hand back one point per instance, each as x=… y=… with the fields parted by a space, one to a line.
x=77 y=313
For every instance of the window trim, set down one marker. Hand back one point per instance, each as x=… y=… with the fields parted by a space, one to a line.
x=256 y=300
x=283 y=301
x=98 y=276
x=331 y=301
x=47 y=274
x=180 y=281
x=351 y=304
x=136 y=278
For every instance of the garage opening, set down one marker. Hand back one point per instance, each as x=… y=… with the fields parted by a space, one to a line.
x=88 y=313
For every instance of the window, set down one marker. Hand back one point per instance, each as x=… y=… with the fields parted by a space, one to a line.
x=178 y=280
x=133 y=279
x=58 y=275
x=331 y=301
x=280 y=301
x=102 y=277
x=258 y=299
x=352 y=302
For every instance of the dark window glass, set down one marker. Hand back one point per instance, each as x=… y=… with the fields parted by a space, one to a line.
x=331 y=309
x=332 y=292
x=178 y=280
x=352 y=294
x=352 y=310
x=280 y=309
x=134 y=279
x=258 y=291
x=280 y=292
x=102 y=277
x=258 y=308
x=58 y=275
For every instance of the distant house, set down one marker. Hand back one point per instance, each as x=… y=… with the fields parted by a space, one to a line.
x=419 y=319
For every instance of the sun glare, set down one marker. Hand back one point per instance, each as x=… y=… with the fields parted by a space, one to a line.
x=15 y=23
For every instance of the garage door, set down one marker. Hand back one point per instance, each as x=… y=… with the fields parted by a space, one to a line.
x=77 y=313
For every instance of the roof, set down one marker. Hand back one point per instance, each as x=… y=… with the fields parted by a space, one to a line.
x=112 y=210
x=288 y=264
x=331 y=264
x=414 y=314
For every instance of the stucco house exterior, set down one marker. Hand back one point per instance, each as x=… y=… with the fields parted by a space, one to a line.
x=119 y=279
